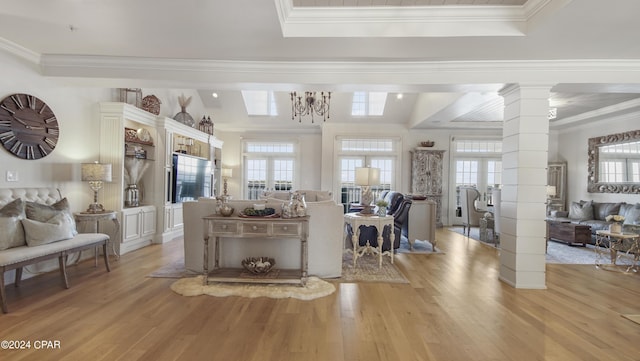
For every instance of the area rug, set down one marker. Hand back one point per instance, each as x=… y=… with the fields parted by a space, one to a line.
x=315 y=288
x=367 y=270
x=634 y=318
x=474 y=234
x=561 y=253
x=419 y=247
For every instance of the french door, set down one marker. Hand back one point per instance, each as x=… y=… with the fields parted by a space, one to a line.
x=268 y=173
x=483 y=173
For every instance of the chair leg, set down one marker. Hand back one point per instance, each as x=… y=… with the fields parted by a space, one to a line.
x=106 y=256
x=63 y=269
x=3 y=295
x=18 y=277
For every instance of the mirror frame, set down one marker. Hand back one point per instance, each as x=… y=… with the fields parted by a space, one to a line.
x=593 y=186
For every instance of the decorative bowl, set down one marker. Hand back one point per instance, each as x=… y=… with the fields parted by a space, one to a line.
x=258 y=265
x=428 y=143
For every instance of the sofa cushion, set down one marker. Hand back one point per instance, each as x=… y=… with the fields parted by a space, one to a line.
x=602 y=210
x=43 y=213
x=55 y=229
x=581 y=210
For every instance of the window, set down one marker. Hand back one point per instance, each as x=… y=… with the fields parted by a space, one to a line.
x=478 y=163
x=269 y=165
x=620 y=163
x=361 y=152
x=368 y=103
x=259 y=102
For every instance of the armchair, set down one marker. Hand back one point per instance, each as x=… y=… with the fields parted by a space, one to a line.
x=470 y=213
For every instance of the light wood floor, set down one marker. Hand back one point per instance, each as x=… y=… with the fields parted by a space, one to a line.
x=455 y=308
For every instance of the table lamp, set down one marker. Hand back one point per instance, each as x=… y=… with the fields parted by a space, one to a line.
x=95 y=173
x=367 y=177
x=226 y=174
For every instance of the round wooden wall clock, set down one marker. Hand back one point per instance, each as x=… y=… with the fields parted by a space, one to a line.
x=28 y=127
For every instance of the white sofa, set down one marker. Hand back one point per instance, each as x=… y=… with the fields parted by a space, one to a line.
x=325 y=242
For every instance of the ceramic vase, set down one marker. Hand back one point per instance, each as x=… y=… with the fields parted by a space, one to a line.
x=131 y=196
x=615 y=228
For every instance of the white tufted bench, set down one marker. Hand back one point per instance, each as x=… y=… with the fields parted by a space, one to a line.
x=18 y=257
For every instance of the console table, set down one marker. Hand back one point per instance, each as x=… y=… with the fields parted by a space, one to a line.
x=355 y=220
x=236 y=228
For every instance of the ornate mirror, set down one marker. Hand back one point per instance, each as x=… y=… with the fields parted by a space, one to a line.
x=614 y=163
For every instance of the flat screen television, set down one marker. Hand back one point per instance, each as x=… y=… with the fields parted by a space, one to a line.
x=191 y=178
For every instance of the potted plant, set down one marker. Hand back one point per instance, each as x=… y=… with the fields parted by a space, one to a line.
x=382 y=207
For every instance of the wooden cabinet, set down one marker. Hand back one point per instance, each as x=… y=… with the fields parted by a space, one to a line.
x=138 y=228
x=426 y=176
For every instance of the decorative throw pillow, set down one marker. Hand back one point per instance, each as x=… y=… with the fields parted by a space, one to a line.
x=581 y=211
x=13 y=209
x=56 y=229
x=11 y=233
x=43 y=213
x=633 y=215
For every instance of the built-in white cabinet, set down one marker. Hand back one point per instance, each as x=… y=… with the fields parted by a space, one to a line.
x=129 y=134
x=138 y=227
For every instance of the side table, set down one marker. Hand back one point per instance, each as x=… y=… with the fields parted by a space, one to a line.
x=94 y=220
x=615 y=242
x=355 y=220
x=488 y=225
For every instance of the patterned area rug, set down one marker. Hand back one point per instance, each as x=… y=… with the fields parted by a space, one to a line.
x=367 y=270
x=315 y=288
x=562 y=253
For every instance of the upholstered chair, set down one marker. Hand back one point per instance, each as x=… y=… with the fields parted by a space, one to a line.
x=470 y=213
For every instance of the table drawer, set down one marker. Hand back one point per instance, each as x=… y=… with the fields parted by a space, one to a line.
x=255 y=228
x=224 y=228
x=286 y=229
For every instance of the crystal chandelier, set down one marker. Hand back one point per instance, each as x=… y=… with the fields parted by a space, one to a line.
x=310 y=104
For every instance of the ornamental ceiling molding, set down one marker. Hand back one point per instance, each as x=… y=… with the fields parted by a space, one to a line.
x=413 y=21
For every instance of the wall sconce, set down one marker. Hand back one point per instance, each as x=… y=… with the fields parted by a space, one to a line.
x=95 y=173
x=367 y=177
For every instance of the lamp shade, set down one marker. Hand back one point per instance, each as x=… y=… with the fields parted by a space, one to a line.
x=367 y=176
x=551 y=191
x=227 y=172
x=92 y=172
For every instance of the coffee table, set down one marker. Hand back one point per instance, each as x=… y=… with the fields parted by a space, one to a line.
x=614 y=242
x=569 y=233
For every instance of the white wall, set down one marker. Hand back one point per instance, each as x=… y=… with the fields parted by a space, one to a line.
x=572 y=148
x=310 y=156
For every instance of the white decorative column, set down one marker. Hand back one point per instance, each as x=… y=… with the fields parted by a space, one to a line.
x=524 y=161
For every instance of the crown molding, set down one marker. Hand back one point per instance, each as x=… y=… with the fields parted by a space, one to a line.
x=20 y=51
x=412 y=21
x=442 y=74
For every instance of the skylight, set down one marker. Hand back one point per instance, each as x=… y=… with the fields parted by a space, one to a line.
x=260 y=102
x=371 y=103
